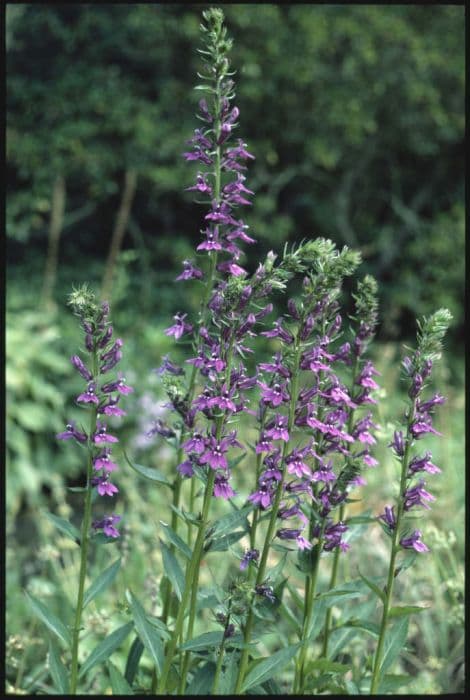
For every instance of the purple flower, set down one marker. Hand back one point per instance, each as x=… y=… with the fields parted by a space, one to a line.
x=160 y=428
x=118 y=385
x=277 y=428
x=168 y=366
x=222 y=487
x=112 y=362
x=101 y=435
x=274 y=395
x=196 y=443
x=90 y=395
x=180 y=327
x=212 y=240
x=416 y=496
x=421 y=427
x=190 y=272
x=250 y=555
x=104 y=486
x=186 y=468
x=325 y=473
x=333 y=537
x=275 y=367
x=266 y=592
x=279 y=332
x=111 y=408
x=102 y=461
x=214 y=454
x=388 y=517
x=398 y=444
x=107 y=525
x=84 y=371
x=418 y=464
x=414 y=542
x=296 y=465
x=71 y=432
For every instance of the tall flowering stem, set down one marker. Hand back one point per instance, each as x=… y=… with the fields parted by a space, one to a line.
x=326 y=267
x=418 y=420
x=101 y=400
x=362 y=385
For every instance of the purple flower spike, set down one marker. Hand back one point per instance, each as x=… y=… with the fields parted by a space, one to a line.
x=414 y=542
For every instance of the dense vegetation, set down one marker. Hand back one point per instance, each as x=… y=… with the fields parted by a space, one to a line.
x=355 y=116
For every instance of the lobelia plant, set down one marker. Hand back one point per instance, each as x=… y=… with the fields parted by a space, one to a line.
x=295 y=429
x=100 y=398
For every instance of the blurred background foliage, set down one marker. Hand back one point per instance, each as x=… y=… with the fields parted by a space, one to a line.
x=356 y=117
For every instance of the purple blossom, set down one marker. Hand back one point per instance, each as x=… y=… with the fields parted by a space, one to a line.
x=168 y=366
x=398 y=443
x=214 y=454
x=413 y=541
x=71 y=432
x=102 y=461
x=84 y=371
x=118 y=385
x=104 y=486
x=186 y=468
x=277 y=428
x=180 y=327
x=417 y=496
x=274 y=395
x=250 y=555
x=222 y=487
x=90 y=395
x=107 y=525
x=190 y=272
x=418 y=464
x=101 y=435
x=389 y=517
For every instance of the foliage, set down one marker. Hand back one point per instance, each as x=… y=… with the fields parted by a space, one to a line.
x=365 y=146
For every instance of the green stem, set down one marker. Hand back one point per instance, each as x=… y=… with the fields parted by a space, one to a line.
x=342 y=511
x=376 y=676
x=310 y=590
x=191 y=569
x=272 y=522
x=85 y=539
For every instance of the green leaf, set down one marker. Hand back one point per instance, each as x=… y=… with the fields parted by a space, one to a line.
x=394 y=643
x=201 y=683
x=328 y=666
x=221 y=544
x=228 y=677
x=133 y=658
x=103 y=581
x=229 y=522
x=147 y=632
x=373 y=587
x=400 y=610
x=119 y=684
x=147 y=472
x=176 y=540
x=105 y=648
x=307 y=559
x=173 y=570
x=203 y=641
x=49 y=619
x=337 y=595
x=64 y=526
x=390 y=683
x=370 y=627
x=59 y=673
x=269 y=666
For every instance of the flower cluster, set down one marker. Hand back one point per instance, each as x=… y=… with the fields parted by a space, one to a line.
x=327 y=464
x=102 y=397
x=419 y=416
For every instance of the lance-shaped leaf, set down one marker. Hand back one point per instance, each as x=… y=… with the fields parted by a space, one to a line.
x=49 y=619
x=268 y=667
x=105 y=648
x=119 y=684
x=202 y=680
x=229 y=522
x=173 y=570
x=401 y=610
x=176 y=540
x=133 y=658
x=64 y=526
x=59 y=673
x=148 y=472
x=373 y=587
x=394 y=643
x=148 y=634
x=102 y=582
